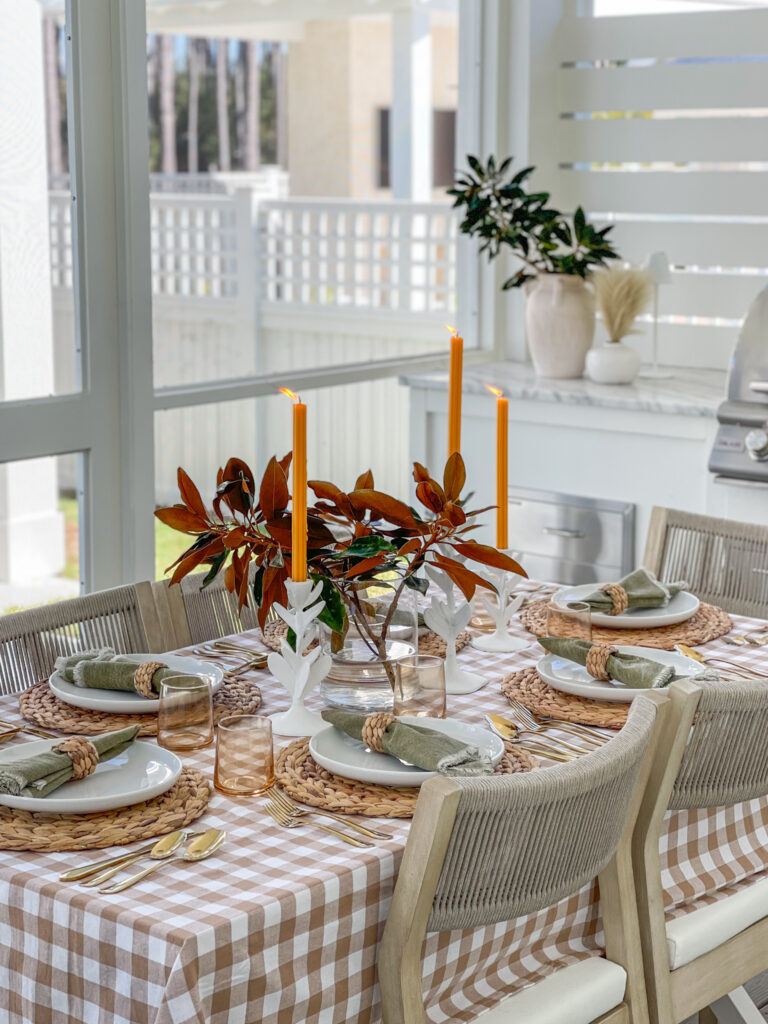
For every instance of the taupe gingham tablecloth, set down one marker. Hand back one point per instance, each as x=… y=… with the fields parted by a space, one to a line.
x=282 y=927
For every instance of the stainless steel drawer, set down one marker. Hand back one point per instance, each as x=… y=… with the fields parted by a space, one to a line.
x=571 y=529
x=560 y=570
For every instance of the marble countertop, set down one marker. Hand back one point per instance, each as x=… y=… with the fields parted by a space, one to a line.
x=690 y=392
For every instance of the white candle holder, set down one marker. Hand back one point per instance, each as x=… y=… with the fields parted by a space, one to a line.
x=501 y=612
x=447 y=620
x=300 y=670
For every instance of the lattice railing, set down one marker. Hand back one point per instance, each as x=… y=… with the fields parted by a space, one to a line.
x=383 y=257
x=388 y=256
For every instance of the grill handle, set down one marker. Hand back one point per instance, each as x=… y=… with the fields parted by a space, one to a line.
x=561 y=531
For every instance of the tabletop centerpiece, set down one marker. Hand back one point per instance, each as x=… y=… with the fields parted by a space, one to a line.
x=358 y=544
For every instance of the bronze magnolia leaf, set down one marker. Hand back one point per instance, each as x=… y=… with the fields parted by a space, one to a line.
x=190 y=494
x=178 y=517
x=273 y=493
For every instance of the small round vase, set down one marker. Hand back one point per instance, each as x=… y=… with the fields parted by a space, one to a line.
x=612 y=363
x=560 y=324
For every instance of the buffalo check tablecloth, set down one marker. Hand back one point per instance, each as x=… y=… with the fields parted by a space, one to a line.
x=282 y=927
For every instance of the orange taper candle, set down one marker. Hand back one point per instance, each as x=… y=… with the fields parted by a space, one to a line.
x=502 y=427
x=454 y=391
x=299 y=506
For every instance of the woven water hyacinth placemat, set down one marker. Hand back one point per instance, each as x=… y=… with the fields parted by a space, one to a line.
x=429 y=642
x=707 y=624
x=304 y=780
x=185 y=801
x=530 y=689
x=41 y=706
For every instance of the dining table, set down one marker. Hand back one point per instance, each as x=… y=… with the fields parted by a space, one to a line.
x=282 y=926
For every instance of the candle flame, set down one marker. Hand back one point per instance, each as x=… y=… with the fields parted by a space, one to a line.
x=291 y=394
x=495 y=391
x=453 y=330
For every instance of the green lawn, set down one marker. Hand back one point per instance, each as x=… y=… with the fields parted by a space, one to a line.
x=168 y=543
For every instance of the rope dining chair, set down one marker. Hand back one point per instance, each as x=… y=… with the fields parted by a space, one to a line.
x=30 y=641
x=489 y=849
x=724 y=562
x=716 y=755
x=192 y=615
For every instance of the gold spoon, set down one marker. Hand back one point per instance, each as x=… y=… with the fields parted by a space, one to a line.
x=198 y=849
x=162 y=850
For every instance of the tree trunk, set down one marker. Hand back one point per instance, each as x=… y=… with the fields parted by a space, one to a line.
x=193 y=143
x=52 y=96
x=279 y=60
x=167 y=105
x=222 y=105
x=253 y=110
x=240 y=106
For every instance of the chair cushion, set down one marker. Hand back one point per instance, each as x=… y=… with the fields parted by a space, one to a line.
x=709 y=927
x=577 y=994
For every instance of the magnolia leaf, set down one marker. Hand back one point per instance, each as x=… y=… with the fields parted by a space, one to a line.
x=454 y=476
x=180 y=518
x=488 y=556
x=466 y=580
x=417 y=583
x=388 y=508
x=431 y=495
x=365 y=481
x=365 y=547
x=364 y=568
x=325 y=490
x=273 y=493
x=334 y=615
x=216 y=564
x=190 y=494
x=420 y=473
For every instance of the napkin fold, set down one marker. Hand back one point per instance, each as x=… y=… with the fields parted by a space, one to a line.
x=643 y=590
x=413 y=744
x=633 y=671
x=40 y=774
x=102 y=669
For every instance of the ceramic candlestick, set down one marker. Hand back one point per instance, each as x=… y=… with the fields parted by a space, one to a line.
x=300 y=670
x=448 y=620
x=501 y=612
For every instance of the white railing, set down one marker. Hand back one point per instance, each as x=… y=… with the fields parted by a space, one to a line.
x=270 y=181
x=387 y=256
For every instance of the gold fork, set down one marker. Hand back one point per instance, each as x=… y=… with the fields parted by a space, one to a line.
x=285 y=820
x=296 y=811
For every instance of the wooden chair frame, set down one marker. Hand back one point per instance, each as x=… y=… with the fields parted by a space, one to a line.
x=675 y=995
x=400 y=953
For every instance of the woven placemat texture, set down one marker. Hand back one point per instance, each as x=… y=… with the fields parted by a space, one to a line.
x=41 y=706
x=185 y=801
x=305 y=781
x=429 y=642
x=707 y=624
x=529 y=688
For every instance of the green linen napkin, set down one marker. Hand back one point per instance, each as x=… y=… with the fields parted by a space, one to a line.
x=635 y=672
x=104 y=670
x=643 y=591
x=41 y=774
x=425 y=748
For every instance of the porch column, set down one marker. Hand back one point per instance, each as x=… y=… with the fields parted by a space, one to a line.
x=410 y=124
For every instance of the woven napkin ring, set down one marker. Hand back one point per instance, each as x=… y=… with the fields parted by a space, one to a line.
x=374 y=728
x=618 y=596
x=597 y=661
x=84 y=756
x=142 y=678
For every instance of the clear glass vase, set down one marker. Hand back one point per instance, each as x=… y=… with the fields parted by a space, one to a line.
x=362 y=674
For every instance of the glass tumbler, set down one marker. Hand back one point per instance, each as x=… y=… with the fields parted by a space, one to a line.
x=185 y=713
x=244 y=758
x=573 y=620
x=420 y=686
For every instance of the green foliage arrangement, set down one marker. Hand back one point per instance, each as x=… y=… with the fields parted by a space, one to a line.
x=504 y=215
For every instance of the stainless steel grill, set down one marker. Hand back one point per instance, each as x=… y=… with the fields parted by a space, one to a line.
x=740 y=451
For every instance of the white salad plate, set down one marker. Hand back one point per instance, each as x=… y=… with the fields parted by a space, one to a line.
x=681 y=607
x=568 y=677
x=141 y=772
x=340 y=754
x=121 y=702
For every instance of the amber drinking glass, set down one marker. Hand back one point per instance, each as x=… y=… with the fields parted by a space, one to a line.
x=573 y=620
x=185 y=713
x=420 y=686
x=245 y=762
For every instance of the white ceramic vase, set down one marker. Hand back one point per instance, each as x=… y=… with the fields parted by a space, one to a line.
x=612 y=363
x=560 y=324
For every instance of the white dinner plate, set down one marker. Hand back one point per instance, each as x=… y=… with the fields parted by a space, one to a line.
x=681 y=607
x=121 y=702
x=567 y=676
x=340 y=754
x=141 y=772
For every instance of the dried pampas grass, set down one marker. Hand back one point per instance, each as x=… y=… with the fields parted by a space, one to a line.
x=622 y=294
